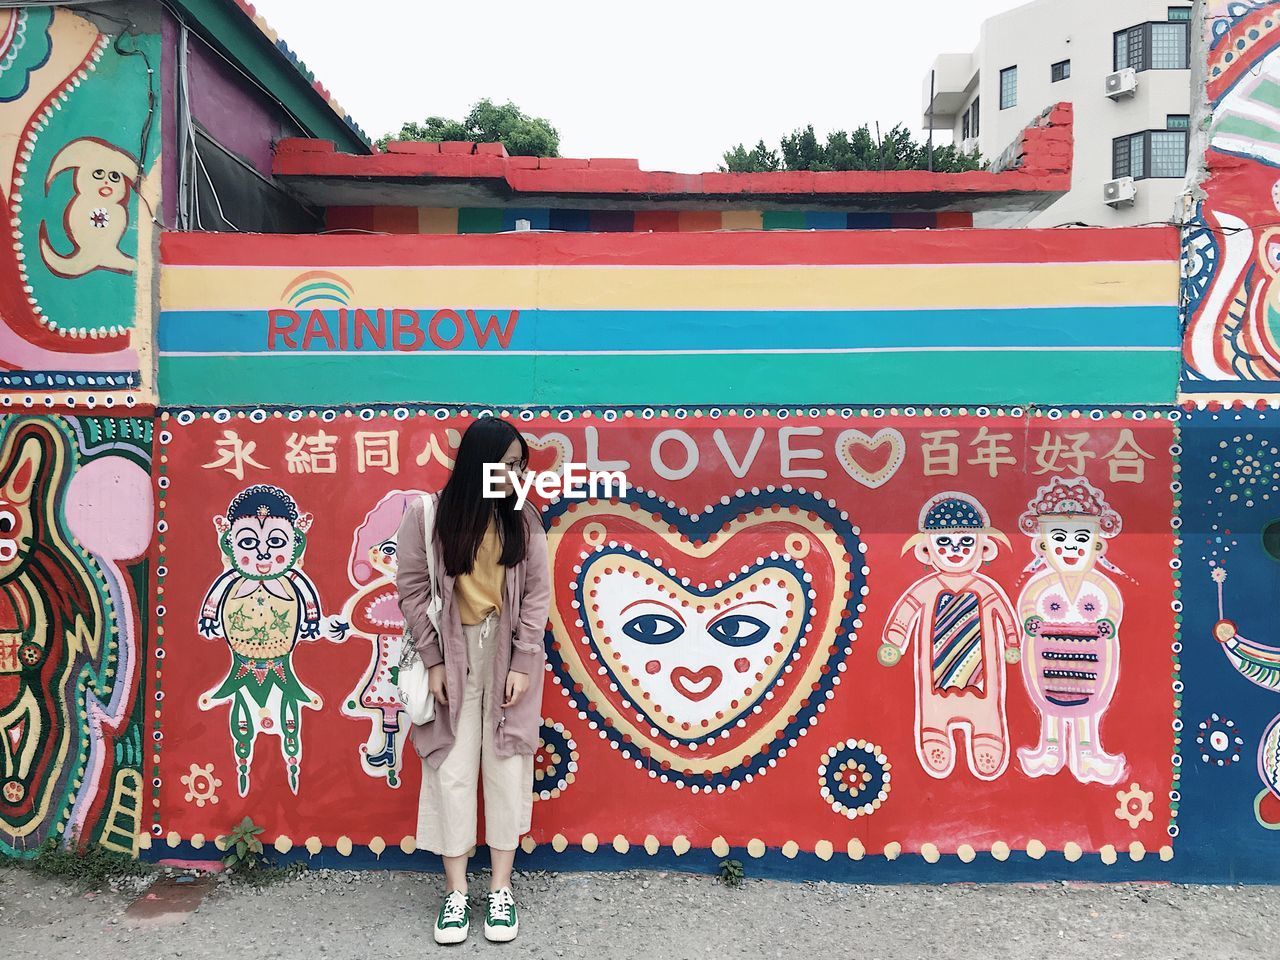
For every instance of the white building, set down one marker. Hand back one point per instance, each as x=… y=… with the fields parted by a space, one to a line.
x=1123 y=64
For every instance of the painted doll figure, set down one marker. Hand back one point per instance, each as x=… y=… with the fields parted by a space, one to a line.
x=262 y=605
x=964 y=630
x=1071 y=612
x=373 y=611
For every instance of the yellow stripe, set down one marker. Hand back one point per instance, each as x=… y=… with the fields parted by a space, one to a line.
x=742 y=220
x=673 y=288
x=438 y=220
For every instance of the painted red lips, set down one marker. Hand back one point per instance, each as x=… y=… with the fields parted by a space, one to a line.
x=696 y=686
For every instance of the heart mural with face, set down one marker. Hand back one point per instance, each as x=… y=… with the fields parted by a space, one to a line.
x=703 y=645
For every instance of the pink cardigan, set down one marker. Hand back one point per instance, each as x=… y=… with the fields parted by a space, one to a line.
x=525 y=604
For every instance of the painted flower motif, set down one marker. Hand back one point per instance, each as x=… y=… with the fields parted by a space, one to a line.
x=100 y=218
x=201 y=784
x=1218 y=741
x=1090 y=606
x=854 y=778
x=1135 y=805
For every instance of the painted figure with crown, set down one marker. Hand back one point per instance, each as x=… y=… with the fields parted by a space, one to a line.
x=965 y=631
x=262 y=604
x=1071 y=613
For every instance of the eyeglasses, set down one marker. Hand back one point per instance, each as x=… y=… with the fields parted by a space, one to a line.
x=516 y=466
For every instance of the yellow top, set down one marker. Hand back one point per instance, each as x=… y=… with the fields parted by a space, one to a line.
x=479 y=593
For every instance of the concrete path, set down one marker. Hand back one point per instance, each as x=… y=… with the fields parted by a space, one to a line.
x=654 y=916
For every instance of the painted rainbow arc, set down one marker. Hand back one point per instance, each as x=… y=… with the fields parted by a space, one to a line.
x=317 y=286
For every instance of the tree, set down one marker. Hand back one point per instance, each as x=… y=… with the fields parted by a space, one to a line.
x=896 y=150
x=759 y=159
x=487 y=122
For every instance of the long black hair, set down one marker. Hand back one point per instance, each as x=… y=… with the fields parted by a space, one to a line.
x=465 y=511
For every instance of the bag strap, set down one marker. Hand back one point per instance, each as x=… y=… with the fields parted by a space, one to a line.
x=428 y=532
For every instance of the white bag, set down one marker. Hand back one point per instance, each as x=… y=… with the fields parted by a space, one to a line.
x=413 y=683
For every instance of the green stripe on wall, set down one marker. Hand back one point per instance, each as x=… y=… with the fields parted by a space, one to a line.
x=1268 y=92
x=783 y=220
x=1244 y=127
x=1004 y=378
x=479 y=220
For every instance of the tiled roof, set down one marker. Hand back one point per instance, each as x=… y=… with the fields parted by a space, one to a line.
x=257 y=19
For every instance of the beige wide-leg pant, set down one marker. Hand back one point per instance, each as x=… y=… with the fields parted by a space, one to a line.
x=448 y=804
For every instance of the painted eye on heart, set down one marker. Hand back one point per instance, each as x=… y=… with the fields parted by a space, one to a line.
x=735 y=630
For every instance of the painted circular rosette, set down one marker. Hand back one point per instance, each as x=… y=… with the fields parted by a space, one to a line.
x=1219 y=741
x=854 y=778
x=555 y=765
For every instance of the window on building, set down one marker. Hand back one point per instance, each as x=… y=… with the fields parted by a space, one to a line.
x=1008 y=88
x=1153 y=46
x=1168 y=46
x=1180 y=14
x=1151 y=153
x=964 y=126
x=1060 y=71
x=1128 y=157
x=1168 y=153
x=1130 y=46
x=1177 y=121
x=974 y=124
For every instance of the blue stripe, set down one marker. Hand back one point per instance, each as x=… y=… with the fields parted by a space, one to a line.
x=651 y=330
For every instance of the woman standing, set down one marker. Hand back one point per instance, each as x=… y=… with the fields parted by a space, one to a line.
x=485 y=666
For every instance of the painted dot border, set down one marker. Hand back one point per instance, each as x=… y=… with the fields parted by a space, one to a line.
x=680 y=845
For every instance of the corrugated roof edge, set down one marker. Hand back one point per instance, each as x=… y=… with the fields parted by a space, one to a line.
x=269 y=33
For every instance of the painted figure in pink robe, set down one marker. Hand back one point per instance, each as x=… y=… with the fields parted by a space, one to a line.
x=964 y=630
x=1071 y=613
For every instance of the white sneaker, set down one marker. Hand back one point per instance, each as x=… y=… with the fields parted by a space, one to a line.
x=501 y=924
x=454 y=922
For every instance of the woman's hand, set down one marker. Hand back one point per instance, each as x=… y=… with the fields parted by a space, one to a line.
x=435 y=681
x=517 y=684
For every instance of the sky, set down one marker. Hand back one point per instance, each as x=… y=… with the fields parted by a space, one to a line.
x=673 y=84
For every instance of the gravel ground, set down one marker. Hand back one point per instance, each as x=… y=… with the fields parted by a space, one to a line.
x=362 y=916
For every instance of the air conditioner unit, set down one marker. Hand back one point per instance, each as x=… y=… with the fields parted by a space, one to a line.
x=1119 y=193
x=969 y=146
x=1122 y=83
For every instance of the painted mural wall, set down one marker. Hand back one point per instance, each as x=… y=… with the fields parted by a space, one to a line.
x=78 y=110
x=75 y=526
x=899 y=593
x=820 y=636
x=1230 y=794
x=1231 y=585
x=1230 y=247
